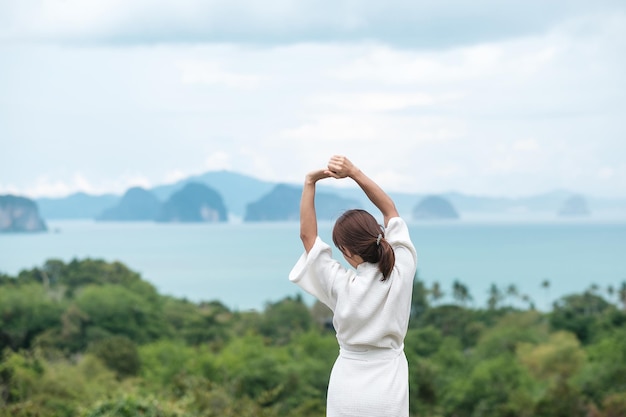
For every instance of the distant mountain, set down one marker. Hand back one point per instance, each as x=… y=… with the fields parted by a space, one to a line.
x=548 y=202
x=329 y=206
x=404 y=201
x=194 y=203
x=137 y=204
x=574 y=206
x=20 y=214
x=434 y=208
x=236 y=189
x=283 y=204
x=76 y=206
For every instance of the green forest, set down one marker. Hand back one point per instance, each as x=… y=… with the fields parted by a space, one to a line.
x=91 y=338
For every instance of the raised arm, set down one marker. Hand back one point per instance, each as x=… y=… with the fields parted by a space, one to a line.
x=308 y=218
x=341 y=167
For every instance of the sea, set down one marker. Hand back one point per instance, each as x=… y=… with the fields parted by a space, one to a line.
x=246 y=265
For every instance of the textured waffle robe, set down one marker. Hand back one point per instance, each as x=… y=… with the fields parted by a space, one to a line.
x=370 y=375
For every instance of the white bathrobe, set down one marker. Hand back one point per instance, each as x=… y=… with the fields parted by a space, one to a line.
x=370 y=376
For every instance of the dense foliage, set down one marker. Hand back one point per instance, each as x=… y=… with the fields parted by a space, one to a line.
x=92 y=339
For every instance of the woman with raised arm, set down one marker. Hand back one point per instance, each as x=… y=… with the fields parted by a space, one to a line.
x=371 y=303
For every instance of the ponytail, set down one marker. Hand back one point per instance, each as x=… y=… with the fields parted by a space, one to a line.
x=387 y=259
x=358 y=232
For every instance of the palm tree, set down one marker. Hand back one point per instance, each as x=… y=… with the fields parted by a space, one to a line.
x=512 y=291
x=531 y=304
x=622 y=294
x=610 y=290
x=545 y=284
x=460 y=292
x=495 y=296
x=435 y=292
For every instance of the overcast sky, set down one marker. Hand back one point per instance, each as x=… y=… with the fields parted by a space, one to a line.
x=487 y=97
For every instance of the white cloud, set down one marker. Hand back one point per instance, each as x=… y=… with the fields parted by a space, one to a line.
x=390 y=66
x=381 y=101
x=60 y=19
x=210 y=73
x=526 y=145
x=48 y=187
x=10 y=189
x=218 y=161
x=333 y=128
x=606 y=173
x=127 y=181
x=269 y=164
x=45 y=186
x=504 y=116
x=173 y=176
x=448 y=170
x=391 y=179
x=359 y=128
x=400 y=22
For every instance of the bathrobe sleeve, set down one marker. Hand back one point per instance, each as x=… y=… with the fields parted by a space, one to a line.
x=319 y=274
x=397 y=234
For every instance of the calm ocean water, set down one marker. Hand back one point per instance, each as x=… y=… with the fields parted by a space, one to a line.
x=246 y=265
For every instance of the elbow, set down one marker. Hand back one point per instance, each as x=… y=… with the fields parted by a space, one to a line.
x=390 y=213
x=306 y=237
x=308 y=240
x=391 y=210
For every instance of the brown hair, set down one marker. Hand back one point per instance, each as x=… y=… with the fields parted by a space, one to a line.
x=357 y=231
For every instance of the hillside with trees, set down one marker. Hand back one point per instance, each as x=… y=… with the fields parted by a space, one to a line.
x=91 y=338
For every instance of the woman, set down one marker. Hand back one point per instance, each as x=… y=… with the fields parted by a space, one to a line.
x=371 y=304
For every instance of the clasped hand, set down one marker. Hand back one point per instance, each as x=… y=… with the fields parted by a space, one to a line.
x=338 y=167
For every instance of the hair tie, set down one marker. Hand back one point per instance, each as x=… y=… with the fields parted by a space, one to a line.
x=380 y=236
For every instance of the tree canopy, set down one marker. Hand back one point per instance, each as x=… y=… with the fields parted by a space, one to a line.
x=91 y=338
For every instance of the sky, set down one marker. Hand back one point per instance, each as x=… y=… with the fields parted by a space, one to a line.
x=490 y=97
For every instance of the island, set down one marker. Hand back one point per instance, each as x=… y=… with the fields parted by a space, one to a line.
x=195 y=202
x=137 y=204
x=20 y=214
x=574 y=206
x=282 y=203
x=79 y=205
x=434 y=208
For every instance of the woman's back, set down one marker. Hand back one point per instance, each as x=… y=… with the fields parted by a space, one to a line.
x=371 y=305
x=370 y=312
